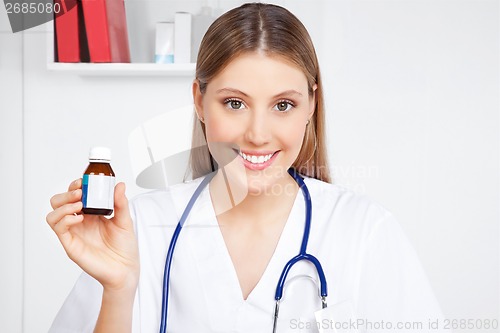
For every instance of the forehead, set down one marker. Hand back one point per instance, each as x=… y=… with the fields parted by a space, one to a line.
x=257 y=73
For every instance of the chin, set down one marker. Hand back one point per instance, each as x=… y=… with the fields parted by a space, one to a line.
x=263 y=182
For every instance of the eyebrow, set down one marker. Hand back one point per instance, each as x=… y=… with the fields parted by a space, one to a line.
x=236 y=91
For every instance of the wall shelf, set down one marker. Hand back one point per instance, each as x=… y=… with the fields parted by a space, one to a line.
x=141 y=24
x=122 y=69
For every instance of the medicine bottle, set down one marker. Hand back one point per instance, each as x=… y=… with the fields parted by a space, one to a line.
x=98 y=183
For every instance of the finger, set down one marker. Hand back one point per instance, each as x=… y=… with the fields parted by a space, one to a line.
x=61 y=199
x=54 y=217
x=62 y=228
x=72 y=195
x=122 y=214
x=77 y=183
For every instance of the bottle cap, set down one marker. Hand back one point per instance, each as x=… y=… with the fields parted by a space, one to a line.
x=100 y=154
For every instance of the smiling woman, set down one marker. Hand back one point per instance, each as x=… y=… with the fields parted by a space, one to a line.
x=259 y=105
x=274 y=37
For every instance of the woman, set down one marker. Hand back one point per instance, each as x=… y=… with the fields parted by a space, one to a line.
x=259 y=105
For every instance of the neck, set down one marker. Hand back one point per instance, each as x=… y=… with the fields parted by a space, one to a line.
x=231 y=198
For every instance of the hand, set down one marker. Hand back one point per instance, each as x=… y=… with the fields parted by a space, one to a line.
x=104 y=248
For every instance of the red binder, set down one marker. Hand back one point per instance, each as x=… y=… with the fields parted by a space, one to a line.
x=106 y=28
x=67 y=37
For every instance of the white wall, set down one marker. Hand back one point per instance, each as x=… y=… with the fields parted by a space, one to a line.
x=413 y=104
x=11 y=169
x=412 y=100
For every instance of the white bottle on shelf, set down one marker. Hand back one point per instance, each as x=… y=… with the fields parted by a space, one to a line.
x=164 y=43
x=182 y=39
x=201 y=22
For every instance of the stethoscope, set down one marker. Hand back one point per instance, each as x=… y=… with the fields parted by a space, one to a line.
x=303 y=255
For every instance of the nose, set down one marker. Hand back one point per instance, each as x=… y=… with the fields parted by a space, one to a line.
x=258 y=131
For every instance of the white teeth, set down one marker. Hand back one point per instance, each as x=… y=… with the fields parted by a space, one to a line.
x=256 y=159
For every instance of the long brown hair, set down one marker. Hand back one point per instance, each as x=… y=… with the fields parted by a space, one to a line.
x=275 y=31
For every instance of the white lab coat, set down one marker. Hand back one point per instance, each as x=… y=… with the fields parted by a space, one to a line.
x=368 y=262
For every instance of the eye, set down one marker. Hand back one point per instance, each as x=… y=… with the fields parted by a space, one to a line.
x=284 y=106
x=234 y=104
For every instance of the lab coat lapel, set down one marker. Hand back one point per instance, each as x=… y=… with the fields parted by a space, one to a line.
x=302 y=303
x=227 y=309
x=288 y=246
x=216 y=276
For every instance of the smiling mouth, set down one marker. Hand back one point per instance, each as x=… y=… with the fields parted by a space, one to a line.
x=256 y=159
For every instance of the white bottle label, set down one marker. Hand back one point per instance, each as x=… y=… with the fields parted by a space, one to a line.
x=98 y=191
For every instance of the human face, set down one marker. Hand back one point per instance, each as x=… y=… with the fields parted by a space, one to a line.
x=261 y=104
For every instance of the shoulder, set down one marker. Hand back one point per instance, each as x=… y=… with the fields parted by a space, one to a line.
x=177 y=190
x=163 y=205
x=343 y=208
x=334 y=196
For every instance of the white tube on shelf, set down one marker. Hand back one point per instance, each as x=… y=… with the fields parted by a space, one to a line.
x=182 y=40
x=200 y=24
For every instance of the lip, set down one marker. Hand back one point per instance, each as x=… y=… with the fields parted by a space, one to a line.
x=259 y=166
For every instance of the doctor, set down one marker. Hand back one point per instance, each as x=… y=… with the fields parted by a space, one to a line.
x=257 y=90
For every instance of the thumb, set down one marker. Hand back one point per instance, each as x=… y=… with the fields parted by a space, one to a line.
x=122 y=214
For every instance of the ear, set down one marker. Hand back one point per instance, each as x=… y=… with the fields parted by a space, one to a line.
x=312 y=102
x=198 y=98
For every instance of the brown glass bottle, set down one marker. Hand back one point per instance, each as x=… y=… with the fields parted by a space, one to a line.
x=98 y=183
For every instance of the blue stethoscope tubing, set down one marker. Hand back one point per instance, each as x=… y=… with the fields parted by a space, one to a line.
x=303 y=255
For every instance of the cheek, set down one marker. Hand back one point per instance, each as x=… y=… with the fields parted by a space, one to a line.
x=219 y=128
x=291 y=136
x=220 y=131
x=216 y=131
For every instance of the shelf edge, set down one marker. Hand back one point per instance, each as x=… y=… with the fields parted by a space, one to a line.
x=123 y=69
